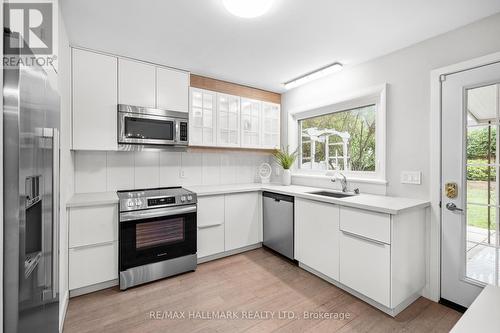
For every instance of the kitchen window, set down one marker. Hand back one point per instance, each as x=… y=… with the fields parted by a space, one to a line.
x=348 y=137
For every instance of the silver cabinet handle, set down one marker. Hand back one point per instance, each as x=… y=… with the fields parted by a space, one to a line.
x=211 y=225
x=350 y=234
x=452 y=207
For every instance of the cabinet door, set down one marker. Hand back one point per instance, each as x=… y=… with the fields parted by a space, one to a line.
x=94 y=85
x=228 y=120
x=202 y=118
x=242 y=220
x=210 y=225
x=317 y=236
x=93 y=264
x=172 y=89
x=136 y=83
x=270 y=125
x=365 y=266
x=85 y=221
x=250 y=123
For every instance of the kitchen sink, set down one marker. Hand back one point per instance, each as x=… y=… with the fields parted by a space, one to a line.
x=332 y=194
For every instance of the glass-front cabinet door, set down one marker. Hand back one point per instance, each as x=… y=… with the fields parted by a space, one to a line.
x=270 y=125
x=203 y=118
x=228 y=120
x=250 y=123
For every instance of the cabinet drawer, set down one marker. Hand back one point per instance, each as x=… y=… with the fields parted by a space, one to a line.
x=365 y=266
x=210 y=240
x=93 y=225
x=365 y=223
x=93 y=264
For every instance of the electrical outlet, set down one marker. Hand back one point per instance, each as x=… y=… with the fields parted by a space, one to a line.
x=411 y=177
x=277 y=170
x=182 y=174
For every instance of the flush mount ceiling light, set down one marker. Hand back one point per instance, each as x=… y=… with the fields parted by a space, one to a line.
x=248 y=8
x=316 y=74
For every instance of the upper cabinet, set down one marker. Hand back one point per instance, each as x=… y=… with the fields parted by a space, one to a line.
x=136 y=83
x=172 y=89
x=239 y=116
x=100 y=82
x=203 y=118
x=250 y=123
x=94 y=86
x=228 y=120
x=270 y=125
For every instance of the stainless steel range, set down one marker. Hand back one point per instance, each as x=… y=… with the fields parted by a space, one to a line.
x=157 y=234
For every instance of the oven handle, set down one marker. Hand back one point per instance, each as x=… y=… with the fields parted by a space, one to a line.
x=159 y=212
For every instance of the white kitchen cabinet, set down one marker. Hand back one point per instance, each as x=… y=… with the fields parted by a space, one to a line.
x=242 y=220
x=210 y=220
x=172 y=89
x=270 y=133
x=365 y=267
x=94 y=101
x=228 y=120
x=93 y=225
x=136 y=83
x=90 y=265
x=365 y=223
x=203 y=118
x=250 y=123
x=317 y=236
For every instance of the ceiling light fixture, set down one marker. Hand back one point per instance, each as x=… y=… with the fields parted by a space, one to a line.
x=248 y=8
x=316 y=74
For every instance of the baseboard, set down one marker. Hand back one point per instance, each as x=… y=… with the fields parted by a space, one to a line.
x=62 y=315
x=393 y=312
x=229 y=253
x=92 y=288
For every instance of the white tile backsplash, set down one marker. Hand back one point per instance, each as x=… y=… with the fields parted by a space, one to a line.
x=90 y=171
x=111 y=171
x=170 y=168
x=146 y=169
x=120 y=171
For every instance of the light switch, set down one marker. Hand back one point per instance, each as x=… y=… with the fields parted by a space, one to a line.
x=411 y=177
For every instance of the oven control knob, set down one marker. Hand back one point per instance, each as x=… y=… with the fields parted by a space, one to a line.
x=183 y=198
x=190 y=197
x=138 y=202
x=130 y=204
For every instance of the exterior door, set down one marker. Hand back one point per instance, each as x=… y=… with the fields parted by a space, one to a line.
x=470 y=172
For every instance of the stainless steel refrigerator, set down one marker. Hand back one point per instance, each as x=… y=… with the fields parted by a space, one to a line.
x=31 y=120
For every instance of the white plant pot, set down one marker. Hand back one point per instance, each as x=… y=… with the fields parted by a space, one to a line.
x=287 y=177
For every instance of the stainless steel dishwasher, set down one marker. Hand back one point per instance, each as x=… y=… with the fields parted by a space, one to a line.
x=278 y=223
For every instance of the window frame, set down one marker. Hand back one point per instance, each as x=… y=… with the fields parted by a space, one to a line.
x=373 y=96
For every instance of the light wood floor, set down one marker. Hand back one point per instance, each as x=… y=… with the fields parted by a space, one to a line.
x=253 y=281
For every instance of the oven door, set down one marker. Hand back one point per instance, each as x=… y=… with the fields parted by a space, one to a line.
x=154 y=235
x=134 y=128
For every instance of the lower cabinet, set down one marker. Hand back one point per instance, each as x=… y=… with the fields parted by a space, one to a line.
x=93 y=245
x=365 y=267
x=316 y=236
x=242 y=220
x=89 y=265
x=210 y=225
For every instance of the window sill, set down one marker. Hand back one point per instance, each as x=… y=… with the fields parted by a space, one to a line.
x=352 y=179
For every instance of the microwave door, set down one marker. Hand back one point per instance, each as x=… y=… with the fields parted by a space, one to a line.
x=146 y=129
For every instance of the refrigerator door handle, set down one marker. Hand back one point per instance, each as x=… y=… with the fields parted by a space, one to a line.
x=55 y=212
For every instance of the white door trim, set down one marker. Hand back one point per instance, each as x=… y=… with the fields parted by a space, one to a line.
x=433 y=289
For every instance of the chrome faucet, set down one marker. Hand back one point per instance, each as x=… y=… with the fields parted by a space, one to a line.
x=343 y=180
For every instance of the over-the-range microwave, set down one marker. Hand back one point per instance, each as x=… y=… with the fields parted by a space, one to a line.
x=147 y=126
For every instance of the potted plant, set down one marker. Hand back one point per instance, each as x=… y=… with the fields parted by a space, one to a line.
x=285 y=160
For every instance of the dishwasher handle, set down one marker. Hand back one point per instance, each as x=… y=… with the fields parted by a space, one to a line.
x=278 y=197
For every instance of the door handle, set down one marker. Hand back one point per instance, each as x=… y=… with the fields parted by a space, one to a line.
x=452 y=207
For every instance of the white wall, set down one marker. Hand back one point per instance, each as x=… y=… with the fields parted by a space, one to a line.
x=407 y=73
x=111 y=171
x=66 y=159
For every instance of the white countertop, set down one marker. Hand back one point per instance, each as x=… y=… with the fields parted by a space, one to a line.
x=378 y=203
x=482 y=315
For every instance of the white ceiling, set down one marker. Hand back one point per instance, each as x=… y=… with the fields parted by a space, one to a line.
x=295 y=37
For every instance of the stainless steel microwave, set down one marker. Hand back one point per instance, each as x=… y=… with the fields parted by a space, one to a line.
x=146 y=126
